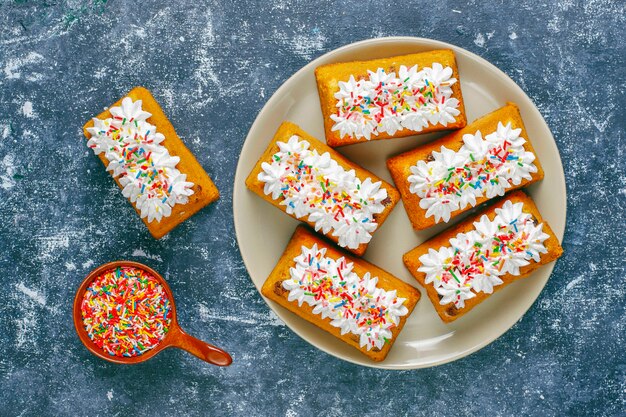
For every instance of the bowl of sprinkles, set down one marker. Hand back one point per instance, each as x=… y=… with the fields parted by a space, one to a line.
x=124 y=312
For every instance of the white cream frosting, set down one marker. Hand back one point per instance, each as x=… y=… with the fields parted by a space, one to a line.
x=354 y=304
x=144 y=167
x=387 y=103
x=481 y=167
x=475 y=261
x=316 y=187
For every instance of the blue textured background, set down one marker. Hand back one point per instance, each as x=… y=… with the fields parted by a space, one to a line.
x=212 y=66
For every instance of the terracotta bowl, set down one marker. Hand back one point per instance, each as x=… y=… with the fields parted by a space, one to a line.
x=175 y=337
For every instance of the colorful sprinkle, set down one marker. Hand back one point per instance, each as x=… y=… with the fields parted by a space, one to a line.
x=126 y=312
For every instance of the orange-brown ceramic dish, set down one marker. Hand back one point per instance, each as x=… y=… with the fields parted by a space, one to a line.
x=176 y=337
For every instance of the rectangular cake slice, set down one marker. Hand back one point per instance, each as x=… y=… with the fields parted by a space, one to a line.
x=444 y=178
x=465 y=264
x=158 y=174
x=390 y=97
x=315 y=184
x=348 y=297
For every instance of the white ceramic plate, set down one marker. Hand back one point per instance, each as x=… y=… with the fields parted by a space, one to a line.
x=263 y=231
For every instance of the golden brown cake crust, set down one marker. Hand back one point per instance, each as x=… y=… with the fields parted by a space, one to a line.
x=205 y=192
x=284 y=132
x=449 y=312
x=328 y=78
x=303 y=236
x=400 y=165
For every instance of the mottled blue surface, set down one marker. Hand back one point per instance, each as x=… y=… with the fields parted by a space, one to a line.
x=212 y=66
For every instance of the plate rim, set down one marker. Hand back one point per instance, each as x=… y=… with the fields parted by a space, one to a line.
x=240 y=176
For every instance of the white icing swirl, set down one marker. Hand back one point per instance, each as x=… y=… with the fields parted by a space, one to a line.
x=481 y=167
x=317 y=187
x=475 y=261
x=388 y=103
x=144 y=167
x=354 y=304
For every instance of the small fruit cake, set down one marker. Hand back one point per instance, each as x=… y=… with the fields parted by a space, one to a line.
x=390 y=97
x=158 y=174
x=464 y=265
x=444 y=178
x=314 y=183
x=348 y=297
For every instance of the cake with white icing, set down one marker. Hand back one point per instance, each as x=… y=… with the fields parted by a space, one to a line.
x=486 y=159
x=156 y=172
x=351 y=299
x=315 y=184
x=464 y=265
x=390 y=97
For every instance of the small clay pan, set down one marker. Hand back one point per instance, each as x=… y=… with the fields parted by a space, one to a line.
x=175 y=337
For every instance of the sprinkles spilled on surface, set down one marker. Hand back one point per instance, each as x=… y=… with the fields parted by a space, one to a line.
x=126 y=312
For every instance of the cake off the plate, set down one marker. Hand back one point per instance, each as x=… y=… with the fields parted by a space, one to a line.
x=157 y=173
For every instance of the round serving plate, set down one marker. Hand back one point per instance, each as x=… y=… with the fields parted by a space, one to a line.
x=263 y=231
